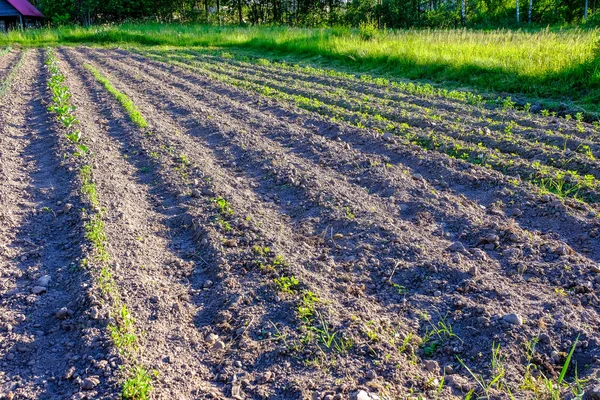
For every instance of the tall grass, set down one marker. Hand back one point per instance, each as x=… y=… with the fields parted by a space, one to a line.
x=557 y=63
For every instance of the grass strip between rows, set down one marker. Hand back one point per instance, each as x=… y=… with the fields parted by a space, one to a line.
x=6 y=83
x=122 y=98
x=122 y=331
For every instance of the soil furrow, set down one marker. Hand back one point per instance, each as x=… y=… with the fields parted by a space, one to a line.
x=49 y=344
x=572 y=236
x=155 y=256
x=228 y=142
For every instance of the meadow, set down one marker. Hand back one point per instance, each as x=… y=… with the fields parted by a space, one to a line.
x=558 y=68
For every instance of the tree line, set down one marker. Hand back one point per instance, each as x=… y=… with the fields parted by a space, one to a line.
x=369 y=14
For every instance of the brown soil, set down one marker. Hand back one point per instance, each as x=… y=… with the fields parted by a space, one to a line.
x=395 y=243
x=43 y=355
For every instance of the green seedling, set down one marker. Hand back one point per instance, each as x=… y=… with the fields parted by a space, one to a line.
x=287 y=284
x=138 y=386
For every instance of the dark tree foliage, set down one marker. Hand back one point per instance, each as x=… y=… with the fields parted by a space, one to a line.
x=367 y=14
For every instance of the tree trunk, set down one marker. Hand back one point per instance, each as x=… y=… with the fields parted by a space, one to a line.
x=530 y=10
x=240 y=12
x=585 y=10
x=518 y=16
x=463 y=12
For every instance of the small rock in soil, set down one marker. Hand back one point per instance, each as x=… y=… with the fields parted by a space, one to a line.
x=491 y=238
x=371 y=375
x=592 y=393
x=94 y=313
x=211 y=337
x=431 y=366
x=360 y=395
x=63 y=313
x=457 y=247
x=563 y=250
x=218 y=346
x=513 y=319
x=90 y=383
x=39 y=290
x=70 y=372
x=43 y=281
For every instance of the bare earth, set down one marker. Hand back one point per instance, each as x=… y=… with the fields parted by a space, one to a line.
x=418 y=264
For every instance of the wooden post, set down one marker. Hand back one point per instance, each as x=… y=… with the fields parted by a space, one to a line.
x=21 y=21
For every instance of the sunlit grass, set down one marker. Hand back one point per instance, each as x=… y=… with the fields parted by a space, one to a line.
x=563 y=64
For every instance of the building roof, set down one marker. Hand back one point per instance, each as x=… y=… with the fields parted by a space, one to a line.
x=25 y=8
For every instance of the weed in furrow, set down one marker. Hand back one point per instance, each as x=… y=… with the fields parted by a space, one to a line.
x=235 y=147
x=122 y=331
x=567 y=184
x=363 y=143
x=5 y=51
x=7 y=82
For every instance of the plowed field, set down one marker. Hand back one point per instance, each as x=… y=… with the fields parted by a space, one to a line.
x=194 y=224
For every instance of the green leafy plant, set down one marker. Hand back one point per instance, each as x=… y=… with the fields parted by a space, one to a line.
x=138 y=386
x=287 y=284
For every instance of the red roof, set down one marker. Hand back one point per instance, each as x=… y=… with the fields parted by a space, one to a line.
x=25 y=8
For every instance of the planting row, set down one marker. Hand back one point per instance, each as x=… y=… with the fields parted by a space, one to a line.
x=121 y=329
x=11 y=65
x=565 y=183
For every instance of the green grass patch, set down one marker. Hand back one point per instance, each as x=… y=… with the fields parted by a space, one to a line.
x=559 y=63
x=135 y=115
